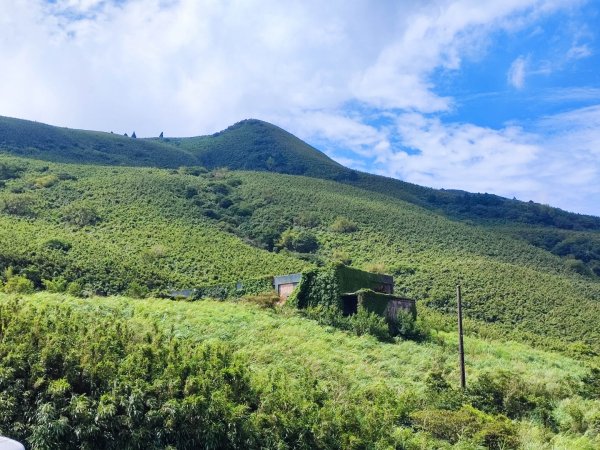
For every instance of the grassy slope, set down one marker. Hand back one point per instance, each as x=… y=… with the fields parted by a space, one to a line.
x=349 y=368
x=154 y=231
x=505 y=279
x=148 y=232
x=257 y=145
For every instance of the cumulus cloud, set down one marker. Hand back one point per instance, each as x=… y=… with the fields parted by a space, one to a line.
x=558 y=162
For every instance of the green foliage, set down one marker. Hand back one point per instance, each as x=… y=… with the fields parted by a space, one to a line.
x=518 y=289
x=109 y=372
x=343 y=225
x=56 y=285
x=136 y=290
x=470 y=425
x=267 y=300
x=18 y=205
x=80 y=214
x=18 y=285
x=591 y=384
x=406 y=326
x=298 y=240
x=45 y=181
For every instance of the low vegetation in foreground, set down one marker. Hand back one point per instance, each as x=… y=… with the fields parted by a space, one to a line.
x=124 y=373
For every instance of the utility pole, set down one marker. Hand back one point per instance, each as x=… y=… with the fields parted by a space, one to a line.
x=461 y=348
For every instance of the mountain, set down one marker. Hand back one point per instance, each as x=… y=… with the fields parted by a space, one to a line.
x=260 y=146
x=85 y=216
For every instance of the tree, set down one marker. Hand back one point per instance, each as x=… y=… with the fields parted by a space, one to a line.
x=298 y=241
x=161 y=135
x=133 y=136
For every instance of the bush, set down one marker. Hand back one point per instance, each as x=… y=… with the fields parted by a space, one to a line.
x=18 y=205
x=406 y=326
x=268 y=300
x=136 y=290
x=18 y=285
x=45 y=181
x=55 y=285
x=343 y=225
x=80 y=214
x=366 y=322
x=298 y=241
x=502 y=392
x=470 y=424
x=307 y=220
x=341 y=257
x=75 y=289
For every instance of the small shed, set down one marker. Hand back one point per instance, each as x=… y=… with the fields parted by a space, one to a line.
x=346 y=289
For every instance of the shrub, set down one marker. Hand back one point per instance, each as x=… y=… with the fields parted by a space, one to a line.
x=136 y=290
x=55 y=285
x=406 y=326
x=341 y=256
x=343 y=225
x=45 y=181
x=268 y=300
x=468 y=423
x=57 y=244
x=18 y=285
x=80 y=214
x=502 y=392
x=366 y=322
x=307 y=220
x=591 y=384
x=18 y=205
x=378 y=267
x=75 y=289
x=298 y=240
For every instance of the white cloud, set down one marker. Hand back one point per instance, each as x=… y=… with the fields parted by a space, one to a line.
x=324 y=70
x=556 y=163
x=188 y=66
x=516 y=73
x=579 y=51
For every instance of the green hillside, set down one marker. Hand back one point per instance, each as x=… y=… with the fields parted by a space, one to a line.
x=260 y=146
x=109 y=230
x=86 y=215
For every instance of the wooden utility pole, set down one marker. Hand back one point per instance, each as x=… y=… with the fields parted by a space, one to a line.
x=461 y=348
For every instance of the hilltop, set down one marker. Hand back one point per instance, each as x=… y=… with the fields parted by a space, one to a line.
x=260 y=146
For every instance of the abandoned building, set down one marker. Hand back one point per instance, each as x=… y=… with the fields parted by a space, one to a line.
x=345 y=288
x=337 y=286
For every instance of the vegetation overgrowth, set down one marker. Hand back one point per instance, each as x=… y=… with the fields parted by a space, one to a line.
x=80 y=370
x=259 y=146
x=107 y=230
x=123 y=373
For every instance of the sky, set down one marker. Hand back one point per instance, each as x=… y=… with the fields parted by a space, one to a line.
x=501 y=96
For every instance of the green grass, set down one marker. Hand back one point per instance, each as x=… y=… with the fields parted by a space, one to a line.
x=346 y=369
x=166 y=229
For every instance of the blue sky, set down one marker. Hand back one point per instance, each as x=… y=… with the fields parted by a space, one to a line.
x=496 y=96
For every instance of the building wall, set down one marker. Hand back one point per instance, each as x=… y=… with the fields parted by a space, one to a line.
x=285 y=290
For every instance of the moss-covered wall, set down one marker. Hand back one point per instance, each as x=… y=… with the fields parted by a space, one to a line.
x=317 y=287
x=325 y=285
x=373 y=301
x=378 y=303
x=352 y=280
